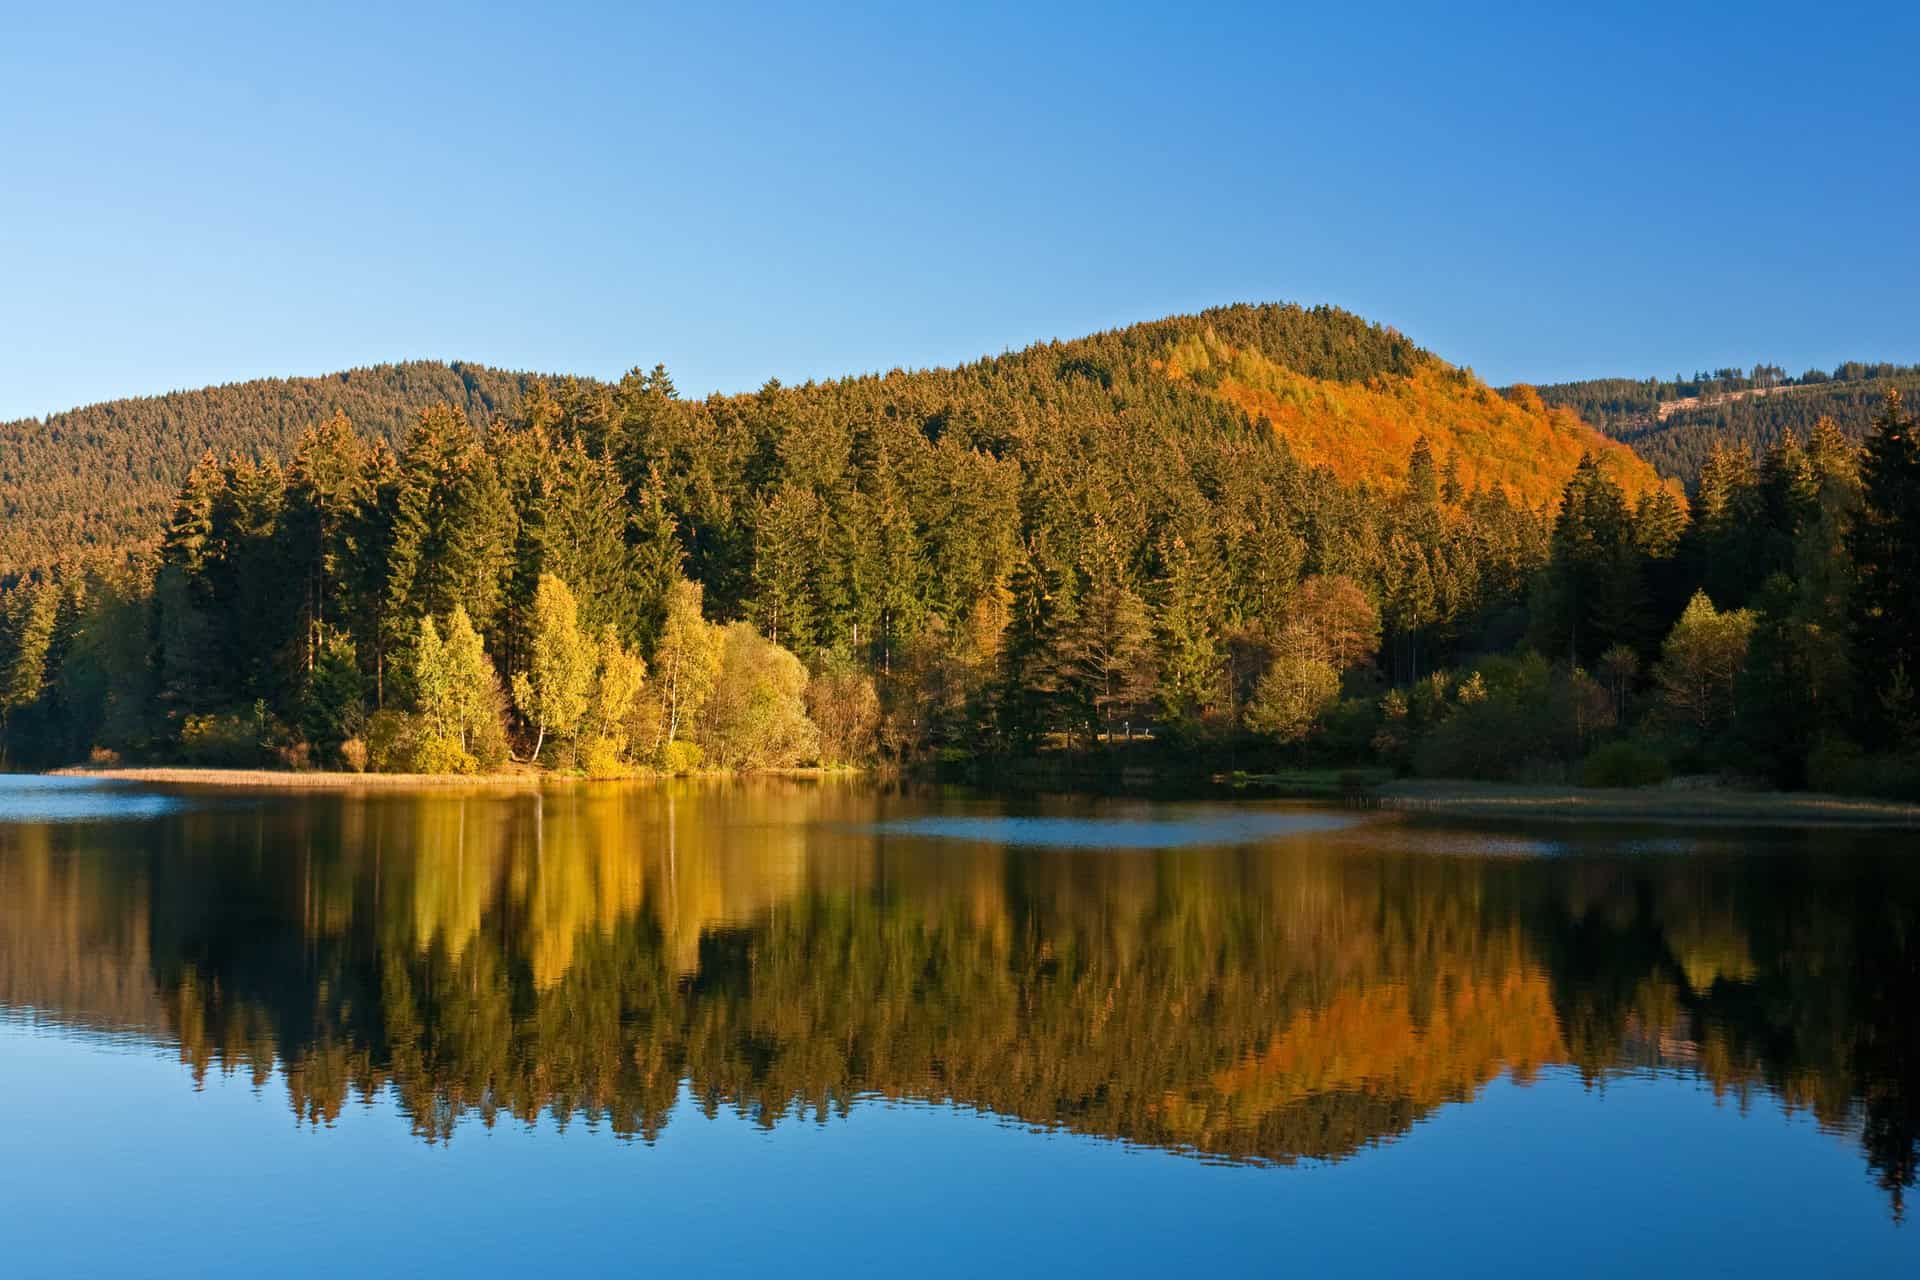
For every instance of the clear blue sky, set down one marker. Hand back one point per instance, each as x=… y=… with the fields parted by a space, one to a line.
x=196 y=194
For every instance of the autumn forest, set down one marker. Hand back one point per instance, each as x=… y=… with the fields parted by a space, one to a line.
x=1259 y=537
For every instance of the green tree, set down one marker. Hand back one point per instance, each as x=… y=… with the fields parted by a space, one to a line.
x=456 y=695
x=1885 y=541
x=756 y=717
x=29 y=634
x=1299 y=686
x=687 y=661
x=552 y=692
x=333 y=700
x=619 y=678
x=1700 y=663
x=1188 y=625
x=1106 y=659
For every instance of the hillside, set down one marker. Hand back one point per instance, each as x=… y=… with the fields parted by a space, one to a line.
x=1675 y=424
x=1229 y=528
x=1337 y=390
x=1365 y=430
x=102 y=478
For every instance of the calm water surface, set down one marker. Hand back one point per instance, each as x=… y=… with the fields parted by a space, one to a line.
x=850 y=1029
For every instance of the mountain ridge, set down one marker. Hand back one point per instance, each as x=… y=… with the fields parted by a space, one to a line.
x=99 y=480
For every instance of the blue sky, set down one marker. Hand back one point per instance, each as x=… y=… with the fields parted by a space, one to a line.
x=198 y=193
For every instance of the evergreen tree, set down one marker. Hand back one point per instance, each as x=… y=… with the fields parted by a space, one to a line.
x=1105 y=657
x=1190 y=630
x=1885 y=542
x=24 y=658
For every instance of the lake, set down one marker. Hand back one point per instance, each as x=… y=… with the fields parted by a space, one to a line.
x=842 y=1027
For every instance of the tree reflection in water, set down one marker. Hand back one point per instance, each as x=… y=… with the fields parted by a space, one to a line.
x=782 y=948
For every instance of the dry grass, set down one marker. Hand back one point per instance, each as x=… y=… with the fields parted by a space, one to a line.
x=522 y=779
x=1608 y=804
x=314 y=781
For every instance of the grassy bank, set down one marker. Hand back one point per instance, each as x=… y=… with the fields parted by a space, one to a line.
x=321 y=780
x=1713 y=807
x=308 y=781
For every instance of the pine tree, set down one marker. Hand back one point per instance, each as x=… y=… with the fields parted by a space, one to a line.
x=1105 y=657
x=29 y=632
x=787 y=546
x=188 y=540
x=328 y=491
x=1885 y=542
x=1189 y=624
x=1423 y=476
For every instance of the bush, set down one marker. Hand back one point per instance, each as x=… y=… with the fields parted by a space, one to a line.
x=681 y=756
x=1838 y=765
x=756 y=717
x=440 y=753
x=1835 y=764
x=390 y=741
x=1626 y=762
x=353 y=753
x=600 y=757
x=842 y=701
x=1495 y=738
x=1348 y=730
x=227 y=740
x=487 y=737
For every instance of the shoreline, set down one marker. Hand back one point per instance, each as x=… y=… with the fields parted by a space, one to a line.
x=1434 y=798
x=1439 y=798
x=337 y=780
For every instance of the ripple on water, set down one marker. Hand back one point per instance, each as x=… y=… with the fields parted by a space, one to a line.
x=31 y=798
x=1117 y=833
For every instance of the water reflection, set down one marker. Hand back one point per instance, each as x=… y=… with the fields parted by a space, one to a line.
x=787 y=949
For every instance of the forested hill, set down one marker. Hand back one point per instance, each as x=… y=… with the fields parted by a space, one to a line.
x=1674 y=424
x=103 y=478
x=1339 y=391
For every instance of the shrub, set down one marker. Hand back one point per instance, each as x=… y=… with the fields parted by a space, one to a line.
x=681 y=756
x=842 y=701
x=1626 y=762
x=756 y=717
x=353 y=753
x=600 y=757
x=227 y=740
x=1350 y=728
x=390 y=741
x=440 y=753
x=487 y=737
x=1839 y=765
x=1494 y=738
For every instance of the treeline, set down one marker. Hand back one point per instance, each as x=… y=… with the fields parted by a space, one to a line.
x=99 y=481
x=1062 y=549
x=1679 y=444
x=1051 y=547
x=1612 y=403
x=1773 y=635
